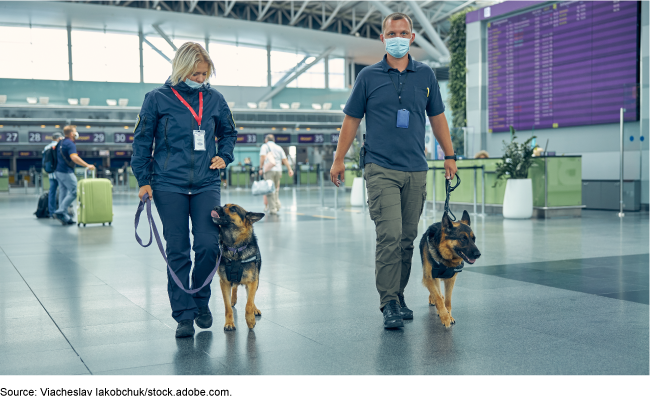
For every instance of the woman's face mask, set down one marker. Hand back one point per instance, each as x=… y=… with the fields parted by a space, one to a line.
x=192 y=84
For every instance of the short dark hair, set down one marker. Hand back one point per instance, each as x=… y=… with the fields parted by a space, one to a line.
x=69 y=129
x=396 y=16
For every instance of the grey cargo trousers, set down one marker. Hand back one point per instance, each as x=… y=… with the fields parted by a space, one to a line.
x=395 y=200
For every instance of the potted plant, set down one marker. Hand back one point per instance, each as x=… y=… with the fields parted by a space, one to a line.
x=515 y=162
x=356 y=196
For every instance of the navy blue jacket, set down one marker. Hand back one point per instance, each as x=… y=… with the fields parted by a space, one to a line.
x=163 y=145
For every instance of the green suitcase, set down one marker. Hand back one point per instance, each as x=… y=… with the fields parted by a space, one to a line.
x=95 y=197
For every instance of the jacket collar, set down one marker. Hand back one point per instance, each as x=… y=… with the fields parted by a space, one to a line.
x=386 y=67
x=182 y=87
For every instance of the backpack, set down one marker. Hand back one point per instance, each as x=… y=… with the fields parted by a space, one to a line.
x=50 y=159
x=42 y=210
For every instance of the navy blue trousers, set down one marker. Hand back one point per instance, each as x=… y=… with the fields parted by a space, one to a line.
x=175 y=212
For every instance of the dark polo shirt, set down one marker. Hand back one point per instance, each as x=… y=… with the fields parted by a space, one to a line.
x=375 y=96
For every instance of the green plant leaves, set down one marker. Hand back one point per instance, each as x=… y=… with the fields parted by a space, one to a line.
x=517 y=158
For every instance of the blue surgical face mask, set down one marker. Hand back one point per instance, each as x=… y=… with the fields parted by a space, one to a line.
x=192 y=84
x=397 y=47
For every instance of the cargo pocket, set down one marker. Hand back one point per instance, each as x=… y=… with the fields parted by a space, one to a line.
x=374 y=203
x=390 y=204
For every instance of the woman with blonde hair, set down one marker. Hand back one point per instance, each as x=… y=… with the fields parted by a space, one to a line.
x=176 y=161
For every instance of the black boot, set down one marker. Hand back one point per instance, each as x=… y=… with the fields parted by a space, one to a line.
x=185 y=328
x=204 y=319
x=406 y=313
x=392 y=316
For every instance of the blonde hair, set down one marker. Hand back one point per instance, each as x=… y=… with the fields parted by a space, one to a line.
x=482 y=154
x=187 y=57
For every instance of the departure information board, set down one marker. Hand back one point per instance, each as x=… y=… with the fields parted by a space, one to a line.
x=565 y=64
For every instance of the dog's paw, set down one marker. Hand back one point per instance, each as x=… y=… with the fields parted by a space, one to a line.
x=229 y=327
x=250 y=321
x=257 y=312
x=233 y=302
x=453 y=321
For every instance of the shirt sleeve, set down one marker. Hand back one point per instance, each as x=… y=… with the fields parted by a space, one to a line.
x=226 y=134
x=145 y=128
x=356 y=104
x=72 y=148
x=264 y=150
x=435 y=106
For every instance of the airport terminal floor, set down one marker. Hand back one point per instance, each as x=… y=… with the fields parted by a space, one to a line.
x=558 y=296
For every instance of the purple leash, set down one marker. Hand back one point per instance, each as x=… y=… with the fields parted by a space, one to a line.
x=147 y=201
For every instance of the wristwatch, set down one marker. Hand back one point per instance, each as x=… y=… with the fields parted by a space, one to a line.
x=451 y=158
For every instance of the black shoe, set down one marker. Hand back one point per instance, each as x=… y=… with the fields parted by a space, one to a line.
x=392 y=316
x=185 y=328
x=404 y=310
x=59 y=217
x=71 y=222
x=204 y=319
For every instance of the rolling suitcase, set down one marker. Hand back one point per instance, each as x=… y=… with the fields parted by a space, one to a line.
x=95 y=197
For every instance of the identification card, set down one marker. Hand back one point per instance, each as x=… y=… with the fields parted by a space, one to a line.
x=199 y=139
x=402 y=118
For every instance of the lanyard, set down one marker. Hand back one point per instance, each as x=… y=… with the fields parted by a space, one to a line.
x=399 y=92
x=200 y=116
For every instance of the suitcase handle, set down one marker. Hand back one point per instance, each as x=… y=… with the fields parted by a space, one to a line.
x=86 y=173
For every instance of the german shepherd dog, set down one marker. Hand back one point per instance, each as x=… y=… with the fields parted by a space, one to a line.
x=444 y=247
x=241 y=260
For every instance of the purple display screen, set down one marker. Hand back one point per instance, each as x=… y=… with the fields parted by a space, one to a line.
x=566 y=64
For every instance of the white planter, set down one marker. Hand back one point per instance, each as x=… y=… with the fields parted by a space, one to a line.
x=356 y=197
x=518 y=199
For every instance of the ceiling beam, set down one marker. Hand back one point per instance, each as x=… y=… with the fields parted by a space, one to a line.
x=431 y=33
x=294 y=20
x=193 y=4
x=262 y=13
x=454 y=11
x=229 y=7
x=156 y=49
x=164 y=36
x=363 y=20
x=331 y=18
x=298 y=73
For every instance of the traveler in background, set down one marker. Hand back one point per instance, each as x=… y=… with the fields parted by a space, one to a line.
x=482 y=154
x=396 y=95
x=275 y=173
x=176 y=162
x=54 y=184
x=66 y=160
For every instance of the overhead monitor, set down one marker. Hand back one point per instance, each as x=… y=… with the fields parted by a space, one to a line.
x=564 y=64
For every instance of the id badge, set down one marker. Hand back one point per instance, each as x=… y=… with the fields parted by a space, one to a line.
x=402 y=118
x=199 y=139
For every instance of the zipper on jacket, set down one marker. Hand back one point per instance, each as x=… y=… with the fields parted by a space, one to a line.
x=167 y=143
x=192 y=158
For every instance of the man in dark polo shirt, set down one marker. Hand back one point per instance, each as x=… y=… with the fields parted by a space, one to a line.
x=67 y=158
x=395 y=95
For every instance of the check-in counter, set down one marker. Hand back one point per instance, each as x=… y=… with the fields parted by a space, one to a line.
x=556 y=180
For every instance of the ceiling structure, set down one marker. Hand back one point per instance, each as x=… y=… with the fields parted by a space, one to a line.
x=350 y=18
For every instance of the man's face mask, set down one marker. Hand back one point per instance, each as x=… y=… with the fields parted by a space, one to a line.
x=76 y=135
x=397 y=47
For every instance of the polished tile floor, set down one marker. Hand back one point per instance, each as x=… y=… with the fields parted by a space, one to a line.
x=564 y=296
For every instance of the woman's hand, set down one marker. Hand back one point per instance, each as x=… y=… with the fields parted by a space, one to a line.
x=217 y=163
x=145 y=189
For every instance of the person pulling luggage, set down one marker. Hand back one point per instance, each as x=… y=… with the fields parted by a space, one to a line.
x=183 y=119
x=67 y=158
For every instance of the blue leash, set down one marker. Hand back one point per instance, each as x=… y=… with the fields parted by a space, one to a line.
x=147 y=201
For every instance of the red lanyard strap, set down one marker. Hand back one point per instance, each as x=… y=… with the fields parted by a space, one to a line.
x=200 y=116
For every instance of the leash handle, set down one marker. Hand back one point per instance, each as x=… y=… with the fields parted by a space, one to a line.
x=152 y=228
x=449 y=189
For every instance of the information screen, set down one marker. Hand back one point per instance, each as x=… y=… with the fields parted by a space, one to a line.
x=566 y=64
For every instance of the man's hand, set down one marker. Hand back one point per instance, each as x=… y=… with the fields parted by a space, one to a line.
x=290 y=172
x=217 y=163
x=337 y=170
x=90 y=167
x=450 y=169
x=145 y=189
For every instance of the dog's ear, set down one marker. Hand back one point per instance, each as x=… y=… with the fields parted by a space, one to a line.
x=446 y=222
x=254 y=217
x=465 y=218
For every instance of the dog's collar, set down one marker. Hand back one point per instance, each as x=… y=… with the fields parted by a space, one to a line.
x=236 y=250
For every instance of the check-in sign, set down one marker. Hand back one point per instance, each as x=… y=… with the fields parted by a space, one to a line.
x=91 y=137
